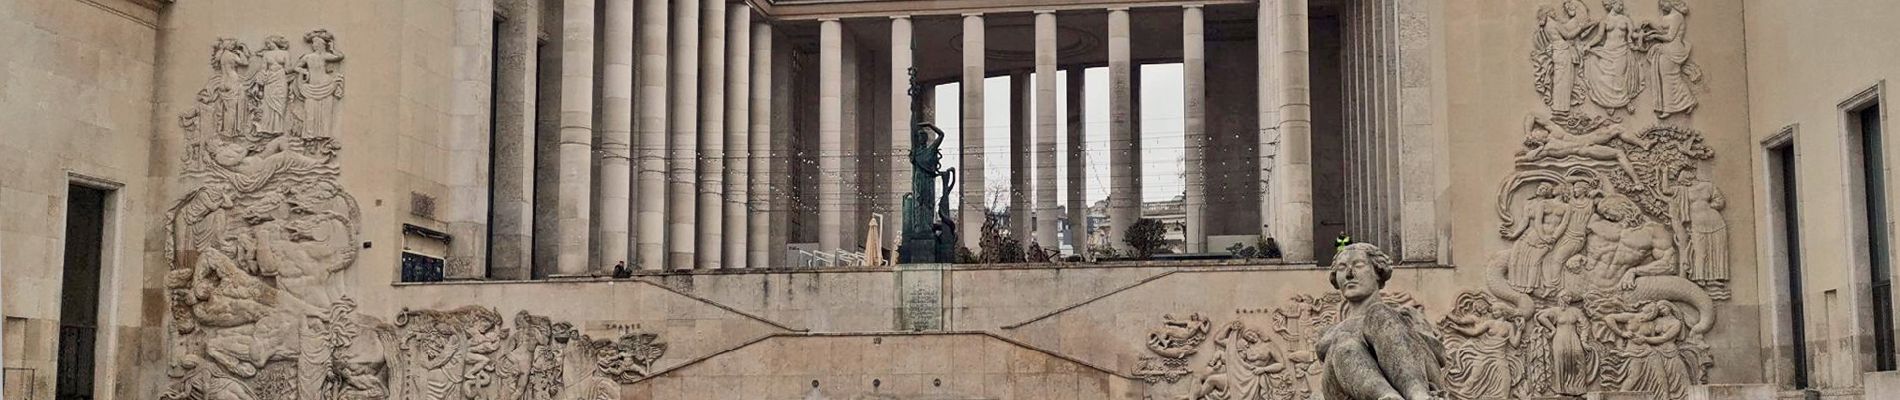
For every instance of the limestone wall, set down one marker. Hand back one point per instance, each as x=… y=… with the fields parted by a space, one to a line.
x=269 y=264
x=76 y=98
x=885 y=366
x=1807 y=67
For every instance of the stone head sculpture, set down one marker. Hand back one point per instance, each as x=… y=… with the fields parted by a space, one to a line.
x=1360 y=271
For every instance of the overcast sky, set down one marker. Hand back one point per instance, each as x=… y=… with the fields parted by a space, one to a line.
x=1161 y=120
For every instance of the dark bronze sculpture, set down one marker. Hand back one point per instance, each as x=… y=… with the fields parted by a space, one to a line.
x=927 y=239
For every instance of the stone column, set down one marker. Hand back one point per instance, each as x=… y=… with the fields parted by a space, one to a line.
x=547 y=149
x=972 y=204
x=469 y=144
x=681 y=158
x=1045 y=145
x=1078 y=163
x=1019 y=149
x=652 y=150
x=759 y=221
x=511 y=218
x=830 y=134
x=1124 y=193
x=1194 y=109
x=1266 y=38
x=738 y=147
x=850 y=131
x=577 y=136
x=712 y=135
x=613 y=192
x=899 y=183
x=1283 y=25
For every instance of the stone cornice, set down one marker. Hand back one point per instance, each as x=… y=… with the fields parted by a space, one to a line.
x=144 y=12
x=802 y=10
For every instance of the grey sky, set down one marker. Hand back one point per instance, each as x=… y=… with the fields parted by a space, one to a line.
x=1161 y=120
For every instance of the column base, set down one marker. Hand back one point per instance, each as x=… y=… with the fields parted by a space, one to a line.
x=1733 y=392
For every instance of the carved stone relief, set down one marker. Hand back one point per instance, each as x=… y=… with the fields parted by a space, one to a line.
x=262 y=232
x=1287 y=351
x=1247 y=358
x=1172 y=343
x=1618 y=245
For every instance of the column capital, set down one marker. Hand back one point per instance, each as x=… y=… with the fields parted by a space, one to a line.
x=1045 y=12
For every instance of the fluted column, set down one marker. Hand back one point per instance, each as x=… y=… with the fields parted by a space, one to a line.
x=738 y=147
x=1194 y=109
x=759 y=221
x=577 y=136
x=612 y=153
x=1078 y=161
x=899 y=183
x=971 y=203
x=1124 y=193
x=652 y=150
x=712 y=135
x=1045 y=145
x=830 y=134
x=1292 y=181
x=681 y=158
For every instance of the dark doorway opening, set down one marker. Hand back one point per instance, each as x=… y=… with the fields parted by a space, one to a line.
x=1865 y=122
x=1782 y=162
x=79 y=291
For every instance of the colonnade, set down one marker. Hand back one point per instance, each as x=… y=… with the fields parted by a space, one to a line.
x=674 y=167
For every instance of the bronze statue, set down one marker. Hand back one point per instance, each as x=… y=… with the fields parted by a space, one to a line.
x=927 y=239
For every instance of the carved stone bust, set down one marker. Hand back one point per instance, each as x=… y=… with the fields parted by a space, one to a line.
x=1377 y=351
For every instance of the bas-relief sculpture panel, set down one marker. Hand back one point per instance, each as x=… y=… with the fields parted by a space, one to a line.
x=264 y=230
x=1618 y=243
x=1359 y=342
x=1617 y=253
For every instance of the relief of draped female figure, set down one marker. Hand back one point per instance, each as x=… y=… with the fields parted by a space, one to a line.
x=320 y=88
x=273 y=82
x=1675 y=73
x=1610 y=66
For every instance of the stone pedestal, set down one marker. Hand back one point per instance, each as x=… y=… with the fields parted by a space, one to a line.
x=1877 y=385
x=1733 y=392
x=1619 y=396
x=920 y=297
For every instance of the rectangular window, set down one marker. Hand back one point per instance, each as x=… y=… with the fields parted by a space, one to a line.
x=1783 y=189
x=1866 y=123
x=79 y=291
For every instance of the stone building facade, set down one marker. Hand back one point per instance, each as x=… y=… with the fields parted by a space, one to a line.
x=234 y=199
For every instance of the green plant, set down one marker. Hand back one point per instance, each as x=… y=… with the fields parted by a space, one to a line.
x=965 y=256
x=1269 y=248
x=999 y=247
x=1145 y=238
